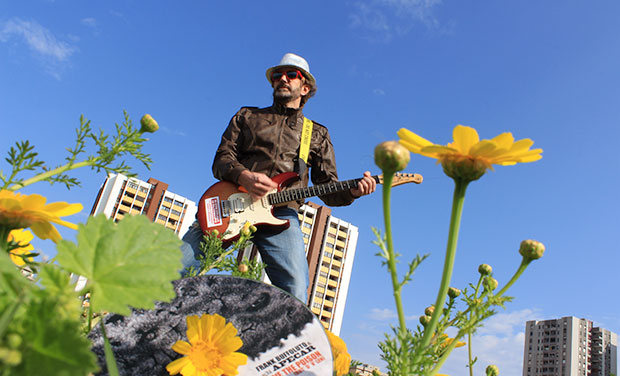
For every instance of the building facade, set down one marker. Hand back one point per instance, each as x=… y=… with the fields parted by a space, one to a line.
x=120 y=196
x=569 y=347
x=330 y=250
x=366 y=370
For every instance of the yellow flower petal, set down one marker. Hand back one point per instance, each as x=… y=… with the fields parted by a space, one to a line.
x=182 y=347
x=413 y=139
x=177 y=365
x=63 y=209
x=464 y=138
x=23 y=238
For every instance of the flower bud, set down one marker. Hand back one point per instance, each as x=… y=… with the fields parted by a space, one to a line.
x=215 y=233
x=490 y=283
x=425 y=320
x=148 y=124
x=253 y=228
x=245 y=232
x=531 y=249
x=485 y=269
x=10 y=357
x=463 y=167
x=429 y=311
x=391 y=156
x=492 y=370
x=13 y=340
x=453 y=292
x=243 y=268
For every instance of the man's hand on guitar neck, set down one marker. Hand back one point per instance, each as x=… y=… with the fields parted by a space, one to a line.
x=365 y=186
x=257 y=184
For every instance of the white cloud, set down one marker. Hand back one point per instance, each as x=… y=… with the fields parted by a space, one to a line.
x=386 y=314
x=89 y=21
x=173 y=132
x=382 y=314
x=379 y=92
x=54 y=53
x=384 y=18
x=499 y=341
x=38 y=38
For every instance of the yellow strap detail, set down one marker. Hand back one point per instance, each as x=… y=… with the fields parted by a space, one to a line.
x=306 y=135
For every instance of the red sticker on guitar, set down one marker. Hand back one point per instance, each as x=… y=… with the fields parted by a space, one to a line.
x=213 y=211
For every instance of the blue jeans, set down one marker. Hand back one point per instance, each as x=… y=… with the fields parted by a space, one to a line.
x=282 y=251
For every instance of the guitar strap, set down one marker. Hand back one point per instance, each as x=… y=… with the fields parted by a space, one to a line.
x=306 y=135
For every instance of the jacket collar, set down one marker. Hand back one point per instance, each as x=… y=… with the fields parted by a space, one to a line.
x=280 y=109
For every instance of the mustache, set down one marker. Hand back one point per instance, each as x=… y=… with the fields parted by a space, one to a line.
x=283 y=85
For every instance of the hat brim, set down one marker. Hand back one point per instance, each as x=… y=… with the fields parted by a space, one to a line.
x=306 y=74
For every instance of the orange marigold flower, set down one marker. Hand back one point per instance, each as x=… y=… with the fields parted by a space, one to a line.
x=210 y=350
x=342 y=359
x=31 y=211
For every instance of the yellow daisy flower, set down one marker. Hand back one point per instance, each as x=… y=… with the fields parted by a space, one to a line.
x=467 y=157
x=23 y=238
x=342 y=359
x=30 y=211
x=211 y=348
x=447 y=341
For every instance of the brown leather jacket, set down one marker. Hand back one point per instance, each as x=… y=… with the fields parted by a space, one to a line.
x=267 y=140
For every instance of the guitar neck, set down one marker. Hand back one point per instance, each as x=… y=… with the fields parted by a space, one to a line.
x=296 y=194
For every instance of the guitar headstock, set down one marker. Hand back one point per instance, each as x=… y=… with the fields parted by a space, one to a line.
x=403 y=178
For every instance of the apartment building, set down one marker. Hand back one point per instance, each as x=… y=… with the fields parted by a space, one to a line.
x=569 y=347
x=120 y=196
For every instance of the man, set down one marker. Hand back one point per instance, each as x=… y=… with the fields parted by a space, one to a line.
x=260 y=143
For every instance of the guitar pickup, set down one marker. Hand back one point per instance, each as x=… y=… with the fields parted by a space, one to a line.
x=237 y=205
x=226 y=208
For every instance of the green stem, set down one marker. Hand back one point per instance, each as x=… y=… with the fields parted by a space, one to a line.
x=48 y=174
x=524 y=263
x=469 y=352
x=4 y=239
x=444 y=357
x=391 y=261
x=110 y=361
x=453 y=234
x=9 y=313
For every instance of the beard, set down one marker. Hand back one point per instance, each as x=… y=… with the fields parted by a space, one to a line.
x=282 y=95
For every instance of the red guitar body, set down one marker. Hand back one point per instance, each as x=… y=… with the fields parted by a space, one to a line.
x=226 y=207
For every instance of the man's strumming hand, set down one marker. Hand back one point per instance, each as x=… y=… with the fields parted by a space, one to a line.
x=256 y=183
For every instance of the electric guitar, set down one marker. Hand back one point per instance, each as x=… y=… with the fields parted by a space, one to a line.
x=226 y=207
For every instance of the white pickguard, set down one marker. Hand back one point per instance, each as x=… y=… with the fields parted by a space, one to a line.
x=255 y=211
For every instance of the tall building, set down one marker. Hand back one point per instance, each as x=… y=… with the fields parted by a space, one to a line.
x=120 y=195
x=569 y=347
x=365 y=370
x=330 y=250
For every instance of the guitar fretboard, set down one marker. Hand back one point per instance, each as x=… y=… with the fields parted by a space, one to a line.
x=296 y=194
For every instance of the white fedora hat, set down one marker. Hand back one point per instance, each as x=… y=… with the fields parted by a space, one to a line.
x=296 y=61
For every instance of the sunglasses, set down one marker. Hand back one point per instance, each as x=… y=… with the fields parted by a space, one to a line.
x=291 y=75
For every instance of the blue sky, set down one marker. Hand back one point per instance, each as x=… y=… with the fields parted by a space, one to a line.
x=541 y=70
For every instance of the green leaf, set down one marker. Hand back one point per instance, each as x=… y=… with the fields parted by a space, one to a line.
x=53 y=345
x=129 y=263
x=57 y=283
